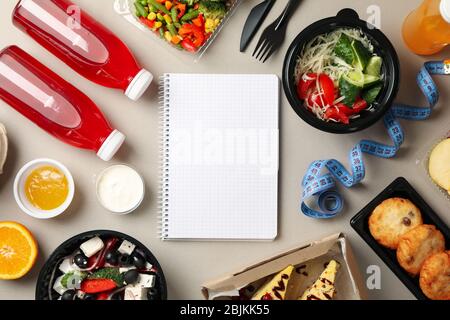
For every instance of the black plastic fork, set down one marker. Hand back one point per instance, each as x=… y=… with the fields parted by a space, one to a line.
x=273 y=36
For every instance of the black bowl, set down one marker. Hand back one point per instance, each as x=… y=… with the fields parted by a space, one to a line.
x=346 y=18
x=69 y=246
x=360 y=222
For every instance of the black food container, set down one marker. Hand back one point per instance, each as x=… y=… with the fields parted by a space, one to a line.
x=346 y=18
x=360 y=222
x=43 y=284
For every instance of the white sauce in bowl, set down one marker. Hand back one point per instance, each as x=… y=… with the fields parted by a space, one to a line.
x=120 y=189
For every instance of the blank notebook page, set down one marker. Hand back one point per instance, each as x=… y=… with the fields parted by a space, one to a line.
x=220 y=178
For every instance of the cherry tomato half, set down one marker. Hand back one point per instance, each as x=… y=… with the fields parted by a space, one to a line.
x=327 y=86
x=188 y=45
x=337 y=115
x=359 y=105
x=304 y=85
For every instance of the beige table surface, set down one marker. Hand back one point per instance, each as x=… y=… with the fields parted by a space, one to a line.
x=188 y=264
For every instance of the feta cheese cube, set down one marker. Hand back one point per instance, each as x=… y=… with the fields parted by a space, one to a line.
x=68 y=266
x=146 y=280
x=135 y=293
x=92 y=246
x=58 y=287
x=148 y=266
x=126 y=247
x=125 y=269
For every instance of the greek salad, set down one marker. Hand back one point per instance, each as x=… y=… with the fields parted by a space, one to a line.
x=105 y=269
x=338 y=75
x=186 y=24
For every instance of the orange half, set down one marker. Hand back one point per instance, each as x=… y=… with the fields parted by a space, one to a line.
x=18 y=250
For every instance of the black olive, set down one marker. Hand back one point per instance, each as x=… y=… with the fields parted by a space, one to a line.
x=81 y=261
x=89 y=296
x=112 y=257
x=117 y=296
x=131 y=276
x=138 y=260
x=152 y=294
x=68 y=295
x=125 y=260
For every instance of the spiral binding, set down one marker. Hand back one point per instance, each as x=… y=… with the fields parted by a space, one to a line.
x=163 y=193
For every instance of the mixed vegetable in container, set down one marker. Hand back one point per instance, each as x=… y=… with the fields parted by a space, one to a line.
x=186 y=24
x=105 y=269
x=338 y=75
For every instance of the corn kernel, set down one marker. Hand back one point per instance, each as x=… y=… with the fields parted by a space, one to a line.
x=168 y=36
x=160 y=17
x=151 y=16
x=158 y=24
x=167 y=18
x=209 y=23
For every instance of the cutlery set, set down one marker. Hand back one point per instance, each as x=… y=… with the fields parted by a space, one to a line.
x=273 y=36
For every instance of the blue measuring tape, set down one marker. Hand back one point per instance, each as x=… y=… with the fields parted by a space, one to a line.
x=322 y=186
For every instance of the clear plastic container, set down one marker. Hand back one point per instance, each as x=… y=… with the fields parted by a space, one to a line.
x=127 y=10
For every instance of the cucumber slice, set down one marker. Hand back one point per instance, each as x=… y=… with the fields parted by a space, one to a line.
x=355 y=77
x=362 y=55
x=344 y=50
x=370 y=80
x=371 y=94
x=373 y=67
x=349 y=90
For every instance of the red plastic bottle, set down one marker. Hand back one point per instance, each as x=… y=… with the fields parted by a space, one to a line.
x=83 y=43
x=54 y=104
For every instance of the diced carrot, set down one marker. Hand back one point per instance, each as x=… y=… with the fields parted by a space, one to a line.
x=168 y=5
x=176 y=39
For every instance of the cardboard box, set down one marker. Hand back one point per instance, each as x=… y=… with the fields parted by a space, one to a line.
x=311 y=259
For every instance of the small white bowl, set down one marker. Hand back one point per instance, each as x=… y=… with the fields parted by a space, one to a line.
x=21 y=198
x=132 y=207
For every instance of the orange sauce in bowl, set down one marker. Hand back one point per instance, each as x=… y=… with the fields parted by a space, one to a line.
x=46 y=188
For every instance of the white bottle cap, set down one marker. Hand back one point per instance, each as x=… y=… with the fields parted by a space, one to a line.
x=139 y=85
x=111 y=145
x=444 y=7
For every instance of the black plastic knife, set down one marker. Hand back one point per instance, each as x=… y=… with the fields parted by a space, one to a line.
x=254 y=21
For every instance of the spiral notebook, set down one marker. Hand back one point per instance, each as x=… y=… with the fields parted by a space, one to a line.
x=220 y=146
